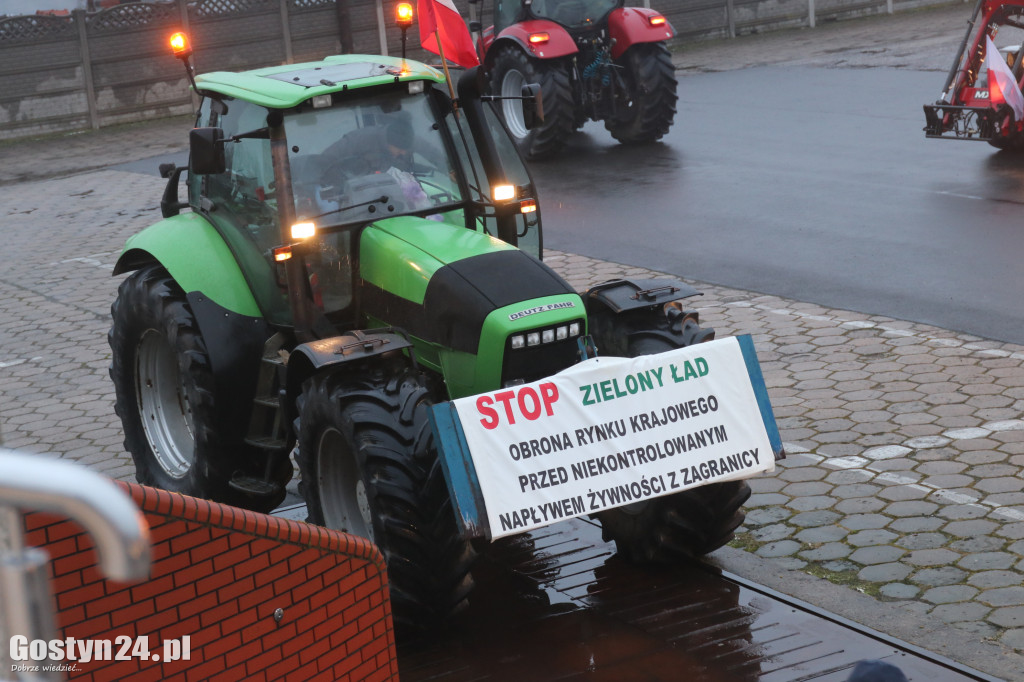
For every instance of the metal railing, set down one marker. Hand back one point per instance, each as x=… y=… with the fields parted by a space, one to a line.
x=118 y=529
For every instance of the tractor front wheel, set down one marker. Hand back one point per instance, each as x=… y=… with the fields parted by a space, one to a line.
x=164 y=387
x=369 y=468
x=645 y=107
x=686 y=524
x=513 y=69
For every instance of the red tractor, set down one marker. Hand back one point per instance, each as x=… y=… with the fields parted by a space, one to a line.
x=594 y=60
x=981 y=98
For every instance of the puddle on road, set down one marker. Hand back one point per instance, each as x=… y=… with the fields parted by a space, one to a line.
x=558 y=604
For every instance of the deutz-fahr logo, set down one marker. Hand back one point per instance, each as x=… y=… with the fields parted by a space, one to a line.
x=541 y=309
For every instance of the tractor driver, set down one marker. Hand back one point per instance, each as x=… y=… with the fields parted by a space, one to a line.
x=399 y=143
x=399 y=163
x=368 y=162
x=376 y=149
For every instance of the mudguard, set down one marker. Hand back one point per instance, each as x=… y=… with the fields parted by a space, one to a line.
x=628 y=26
x=641 y=308
x=196 y=256
x=230 y=321
x=351 y=348
x=621 y=295
x=558 y=44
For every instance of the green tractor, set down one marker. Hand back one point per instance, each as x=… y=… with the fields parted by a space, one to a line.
x=359 y=243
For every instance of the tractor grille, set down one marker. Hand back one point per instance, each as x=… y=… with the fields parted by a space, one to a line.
x=530 y=363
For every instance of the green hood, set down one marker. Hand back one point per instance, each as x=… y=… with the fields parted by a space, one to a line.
x=440 y=282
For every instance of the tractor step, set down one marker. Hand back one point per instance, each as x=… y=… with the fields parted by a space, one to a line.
x=268 y=430
x=252 y=486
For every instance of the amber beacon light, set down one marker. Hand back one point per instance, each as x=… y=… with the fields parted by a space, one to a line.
x=404 y=15
x=180 y=45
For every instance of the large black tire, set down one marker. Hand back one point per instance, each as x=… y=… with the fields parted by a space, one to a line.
x=513 y=68
x=1007 y=144
x=369 y=467
x=687 y=524
x=645 y=112
x=1002 y=142
x=165 y=395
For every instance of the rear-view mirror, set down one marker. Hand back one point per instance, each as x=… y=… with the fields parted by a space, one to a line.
x=533 y=105
x=206 y=147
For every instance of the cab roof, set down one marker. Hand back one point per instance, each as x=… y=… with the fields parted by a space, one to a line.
x=288 y=85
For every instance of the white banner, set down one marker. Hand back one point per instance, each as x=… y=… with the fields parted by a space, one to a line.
x=613 y=431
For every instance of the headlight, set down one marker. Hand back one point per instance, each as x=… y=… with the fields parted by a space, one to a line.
x=303 y=230
x=503 y=192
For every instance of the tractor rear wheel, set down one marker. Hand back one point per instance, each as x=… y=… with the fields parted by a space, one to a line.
x=1006 y=144
x=647 y=108
x=369 y=468
x=164 y=388
x=686 y=524
x=513 y=69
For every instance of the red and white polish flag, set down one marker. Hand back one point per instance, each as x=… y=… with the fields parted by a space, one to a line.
x=1001 y=78
x=439 y=20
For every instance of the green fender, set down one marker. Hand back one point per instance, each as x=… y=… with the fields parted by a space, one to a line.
x=196 y=256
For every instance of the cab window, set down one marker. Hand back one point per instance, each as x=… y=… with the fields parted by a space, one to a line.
x=515 y=171
x=241 y=202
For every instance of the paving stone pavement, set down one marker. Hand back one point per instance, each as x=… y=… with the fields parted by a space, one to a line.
x=905 y=446
x=903 y=483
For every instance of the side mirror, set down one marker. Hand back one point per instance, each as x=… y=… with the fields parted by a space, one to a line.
x=206 y=146
x=533 y=106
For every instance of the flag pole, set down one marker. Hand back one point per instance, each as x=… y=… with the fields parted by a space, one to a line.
x=444 y=63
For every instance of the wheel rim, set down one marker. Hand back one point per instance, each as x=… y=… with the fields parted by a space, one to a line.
x=512 y=109
x=343 y=498
x=164 y=406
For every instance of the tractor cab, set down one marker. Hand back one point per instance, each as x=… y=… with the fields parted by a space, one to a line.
x=349 y=157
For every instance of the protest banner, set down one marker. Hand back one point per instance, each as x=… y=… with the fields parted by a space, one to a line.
x=604 y=433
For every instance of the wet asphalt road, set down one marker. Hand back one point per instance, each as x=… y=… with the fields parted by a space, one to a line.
x=809 y=183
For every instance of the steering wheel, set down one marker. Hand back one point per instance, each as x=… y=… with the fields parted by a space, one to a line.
x=440 y=195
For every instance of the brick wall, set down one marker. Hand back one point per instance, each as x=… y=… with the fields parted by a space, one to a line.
x=219 y=574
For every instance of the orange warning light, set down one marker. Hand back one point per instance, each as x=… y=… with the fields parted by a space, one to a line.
x=180 y=45
x=403 y=15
